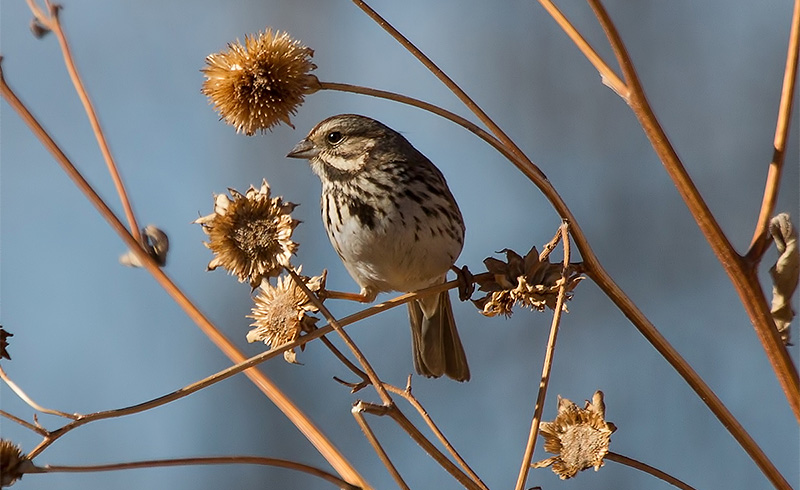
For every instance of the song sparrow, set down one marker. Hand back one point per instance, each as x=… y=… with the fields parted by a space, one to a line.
x=393 y=221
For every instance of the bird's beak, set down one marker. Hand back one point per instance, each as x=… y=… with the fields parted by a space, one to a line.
x=304 y=149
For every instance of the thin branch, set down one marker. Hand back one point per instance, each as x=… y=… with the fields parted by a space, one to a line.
x=743 y=277
x=298 y=418
x=547 y=363
x=412 y=400
x=440 y=74
x=16 y=389
x=396 y=415
x=362 y=360
x=376 y=445
x=160 y=463
x=35 y=428
x=53 y=23
x=607 y=74
x=618 y=458
x=760 y=241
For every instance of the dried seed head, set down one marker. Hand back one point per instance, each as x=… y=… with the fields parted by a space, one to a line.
x=251 y=234
x=12 y=463
x=578 y=436
x=526 y=281
x=261 y=83
x=281 y=312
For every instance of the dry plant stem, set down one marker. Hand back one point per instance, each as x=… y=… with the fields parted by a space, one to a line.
x=618 y=458
x=365 y=365
x=760 y=242
x=159 y=463
x=604 y=281
x=441 y=75
x=743 y=277
x=39 y=430
x=396 y=415
x=547 y=364
x=373 y=440
x=607 y=75
x=412 y=400
x=298 y=418
x=404 y=99
x=16 y=389
x=53 y=23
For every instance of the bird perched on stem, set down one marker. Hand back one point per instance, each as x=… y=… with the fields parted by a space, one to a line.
x=393 y=221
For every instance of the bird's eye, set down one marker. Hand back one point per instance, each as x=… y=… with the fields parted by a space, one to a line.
x=334 y=137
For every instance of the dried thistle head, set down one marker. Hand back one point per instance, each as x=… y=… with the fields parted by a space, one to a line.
x=578 y=436
x=281 y=312
x=250 y=234
x=526 y=281
x=12 y=463
x=261 y=83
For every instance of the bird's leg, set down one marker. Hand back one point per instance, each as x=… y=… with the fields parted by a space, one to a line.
x=365 y=296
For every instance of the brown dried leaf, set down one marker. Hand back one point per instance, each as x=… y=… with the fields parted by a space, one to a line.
x=785 y=272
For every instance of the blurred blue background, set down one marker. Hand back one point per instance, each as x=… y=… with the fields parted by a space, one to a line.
x=91 y=335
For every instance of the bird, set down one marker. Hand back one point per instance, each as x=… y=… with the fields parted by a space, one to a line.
x=396 y=226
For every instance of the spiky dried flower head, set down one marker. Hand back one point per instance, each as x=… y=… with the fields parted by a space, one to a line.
x=12 y=463
x=260 y=83
x=250 y=234
x=578 y=436
x=526 y=281
x=281 y=312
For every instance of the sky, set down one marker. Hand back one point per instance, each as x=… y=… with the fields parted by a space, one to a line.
x=91 y=335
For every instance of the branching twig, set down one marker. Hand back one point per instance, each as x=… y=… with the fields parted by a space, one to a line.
x=16 y=389
x=742 y=276
x=373 y=440
x=365 y=365
x=547 y=363
x=412 y=400
x=760 y=241
x=35 y=428
x=607 y=74
x=396 y=415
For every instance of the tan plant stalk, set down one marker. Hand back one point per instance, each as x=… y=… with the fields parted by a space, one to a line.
x=376 y=445
x=362 y=360
x=415 y=434
x=160 y=463
x=301 y=421
x=760 y=242
x=547 y=366
x=24 y=397
x=412 y=400
x=51 y=22
x=618 y=458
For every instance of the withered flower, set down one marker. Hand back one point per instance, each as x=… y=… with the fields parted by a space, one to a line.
x=261 y=83
x=579 y=436
x=251 y=234
x=4 y=343
x=12 y=463
x=281 y=312
x=526 y=281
